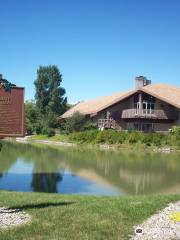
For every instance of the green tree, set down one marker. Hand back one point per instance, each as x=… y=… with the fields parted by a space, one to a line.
x=32 y=116
x=50 y=99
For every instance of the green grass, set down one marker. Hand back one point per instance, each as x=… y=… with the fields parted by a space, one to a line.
x=79 y=217
x=57 y=137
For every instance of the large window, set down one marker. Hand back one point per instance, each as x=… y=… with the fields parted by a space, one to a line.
x=148 y=103
x=141 y=126
x=148 y=107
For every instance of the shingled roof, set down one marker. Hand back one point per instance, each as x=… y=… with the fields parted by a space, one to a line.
x=164 y=92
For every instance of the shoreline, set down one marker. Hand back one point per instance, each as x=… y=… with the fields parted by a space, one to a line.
x=114 y=147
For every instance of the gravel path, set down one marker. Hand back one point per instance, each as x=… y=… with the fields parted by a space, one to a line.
x=12 y=217
x=164 y=225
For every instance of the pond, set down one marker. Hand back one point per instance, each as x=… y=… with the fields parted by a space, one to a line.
x=24 y=167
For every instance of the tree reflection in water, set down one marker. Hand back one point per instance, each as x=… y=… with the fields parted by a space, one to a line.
x=46 y=182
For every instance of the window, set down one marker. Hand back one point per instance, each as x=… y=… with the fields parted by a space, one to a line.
x=141 y=126
x=148 y=107
x=148 y=103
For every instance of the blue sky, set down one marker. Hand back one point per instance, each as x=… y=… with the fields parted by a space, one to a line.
x=99 y=45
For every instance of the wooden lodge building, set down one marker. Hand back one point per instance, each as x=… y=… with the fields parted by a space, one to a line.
x=149 y=107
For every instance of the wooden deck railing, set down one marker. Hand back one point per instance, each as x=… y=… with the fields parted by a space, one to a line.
x=107 y=123
x=145 y=113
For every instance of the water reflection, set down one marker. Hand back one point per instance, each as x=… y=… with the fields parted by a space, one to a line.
x=74 y=170
x=46 y=182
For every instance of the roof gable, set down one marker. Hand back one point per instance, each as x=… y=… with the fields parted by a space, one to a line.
x=164 y=92
x=96 y=105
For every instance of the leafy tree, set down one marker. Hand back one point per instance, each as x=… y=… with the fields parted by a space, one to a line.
x=32 y=116
x=49 y=96
x=49 y=93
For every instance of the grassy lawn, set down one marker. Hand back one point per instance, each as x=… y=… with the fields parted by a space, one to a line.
x=79 y=217
x=57 y=137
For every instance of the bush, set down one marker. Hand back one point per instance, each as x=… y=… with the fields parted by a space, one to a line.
x=86 y=136
x=157 y=139
x=74 y=123
x=120 y=137
x=51 y=132
x=38 y=129
x=111 y=137
x=102 y=137
x=29 y=129
x=45 y=130
x=134 y=137
x=147 y=139
x=175 y=130
x=77 y=123
x=89 y=125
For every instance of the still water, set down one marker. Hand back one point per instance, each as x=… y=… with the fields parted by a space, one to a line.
x=81 y=171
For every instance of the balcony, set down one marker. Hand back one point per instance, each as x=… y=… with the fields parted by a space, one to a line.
x=147 y=113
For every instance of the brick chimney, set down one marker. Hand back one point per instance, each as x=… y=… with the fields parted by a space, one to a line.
x=141 y=81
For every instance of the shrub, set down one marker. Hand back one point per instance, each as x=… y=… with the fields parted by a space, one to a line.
x=29 y=129
x=147 y=139
x=51 y=132
x=74 y=123
x=38 y=129
x=116 y=137
x=101 y=137
x=132 y=138
x=111 y=137
x=86 y=136
x=122 y=137
x=89 y=125
x=175 y=130
x=157 y=138
x=135 y=137
x=45 y=130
